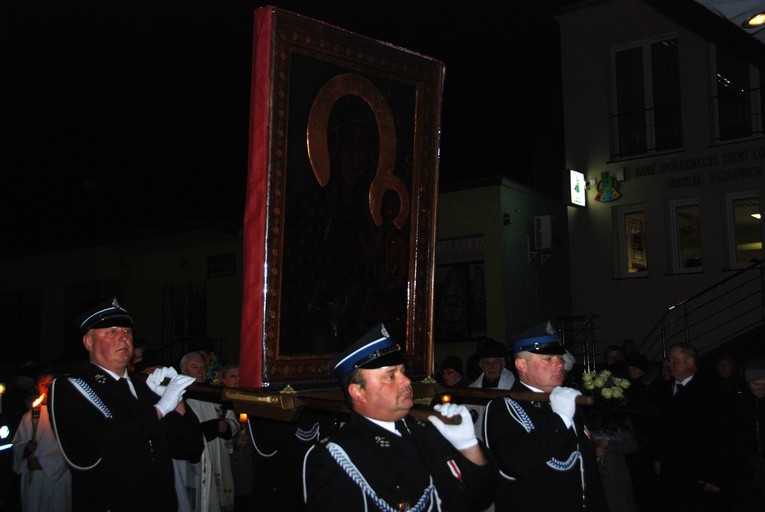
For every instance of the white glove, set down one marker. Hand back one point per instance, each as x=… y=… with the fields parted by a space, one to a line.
x=563 y=403
x=155 y=379
x=173 y=393
x=461 y=436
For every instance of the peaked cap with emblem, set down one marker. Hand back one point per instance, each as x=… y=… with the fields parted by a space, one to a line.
x=107 y=314
x=373 y=350
x=540 y=339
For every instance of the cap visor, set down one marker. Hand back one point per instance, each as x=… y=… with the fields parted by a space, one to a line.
x=552 y=349
x=113 y=321
x=389 y=359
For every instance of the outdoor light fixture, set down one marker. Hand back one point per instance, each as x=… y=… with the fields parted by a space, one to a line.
x=757 y=20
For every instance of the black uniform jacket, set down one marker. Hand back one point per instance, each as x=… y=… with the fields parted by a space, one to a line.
x=279 y=450
x=120 y=453
x=541 y=462
x=373 y=469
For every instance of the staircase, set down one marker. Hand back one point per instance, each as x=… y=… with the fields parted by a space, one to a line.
x=714 y=317
x=729 y=315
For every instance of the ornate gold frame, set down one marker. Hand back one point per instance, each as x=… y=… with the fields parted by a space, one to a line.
x=302 y=70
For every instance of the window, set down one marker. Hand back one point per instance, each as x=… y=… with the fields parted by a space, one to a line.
x=647 y=99
x=737 y=102
x=744 y=229
x=632 y=241
x=184 y=311
x=686 y=236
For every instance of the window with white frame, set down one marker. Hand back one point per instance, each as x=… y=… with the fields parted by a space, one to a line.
x=685 y=224
x=744 y=228
x=737 y=99
x=646 y=83
x=633 y=259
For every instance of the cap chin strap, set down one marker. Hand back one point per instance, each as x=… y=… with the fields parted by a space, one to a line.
x=536 y=343
x=376 y=355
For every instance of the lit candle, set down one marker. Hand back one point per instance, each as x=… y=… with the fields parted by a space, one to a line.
x=242 y=418
x=2 y=390
x=445 y=399
x=36 y=415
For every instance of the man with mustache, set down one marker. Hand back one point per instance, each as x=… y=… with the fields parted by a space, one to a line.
x=384 y=459
x=543 y=450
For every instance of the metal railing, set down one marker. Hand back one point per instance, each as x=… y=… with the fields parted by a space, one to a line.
x=579 y=335
x=646 y=131
x=736 y=115
x=713 y=316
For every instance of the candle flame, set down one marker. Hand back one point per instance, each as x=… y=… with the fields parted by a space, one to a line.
x=445 y=399
x=242 y=418
x=38 y=401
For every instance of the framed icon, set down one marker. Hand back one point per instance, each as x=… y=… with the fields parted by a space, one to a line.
x=341 y=198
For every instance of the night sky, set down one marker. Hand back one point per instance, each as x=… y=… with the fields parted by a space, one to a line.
x=123 y=115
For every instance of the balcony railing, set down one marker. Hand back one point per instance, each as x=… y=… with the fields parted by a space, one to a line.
x=736 y=116
x=646 y=131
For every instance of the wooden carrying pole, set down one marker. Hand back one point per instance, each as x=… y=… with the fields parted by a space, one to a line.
x=287 y=403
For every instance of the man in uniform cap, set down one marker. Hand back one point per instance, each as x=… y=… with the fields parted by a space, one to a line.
x=543 y=449
x=118 y=432
x=384 y=459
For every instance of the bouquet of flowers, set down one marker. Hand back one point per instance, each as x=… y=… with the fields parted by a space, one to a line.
x=609 y=409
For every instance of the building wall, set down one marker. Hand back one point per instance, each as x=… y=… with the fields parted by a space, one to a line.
x=520 y=290
x=522 y=287
x=146 y=275
x=139 y=273
x=629 y=307
x=50 y=273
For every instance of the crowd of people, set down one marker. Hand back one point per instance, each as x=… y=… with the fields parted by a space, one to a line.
x=691 y=435
x=119 y=433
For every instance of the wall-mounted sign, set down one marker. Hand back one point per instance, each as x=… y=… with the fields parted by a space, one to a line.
x=578 y=196
x=607 y=188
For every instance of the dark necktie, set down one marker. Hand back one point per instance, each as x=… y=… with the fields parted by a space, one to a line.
x=125 y=387
x=678 y=388
x=401 y=427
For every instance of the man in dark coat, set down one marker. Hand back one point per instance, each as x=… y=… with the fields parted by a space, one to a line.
x=690 y=442
x=750 y=438
x=543 y=449
x=116 y=434
x=384 y=459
